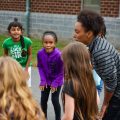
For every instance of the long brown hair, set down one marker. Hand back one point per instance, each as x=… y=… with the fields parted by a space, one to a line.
x=16 y=100
x=78 y=68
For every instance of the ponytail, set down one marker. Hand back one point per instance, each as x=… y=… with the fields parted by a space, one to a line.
x=24 y=52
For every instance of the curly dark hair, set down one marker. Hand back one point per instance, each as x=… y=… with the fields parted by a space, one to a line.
x=15 y=23
x=91 y=21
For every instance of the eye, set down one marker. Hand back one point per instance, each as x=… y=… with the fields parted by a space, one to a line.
x=18 y=29
x=50 y=42
x=12 y=29
x=76 y=31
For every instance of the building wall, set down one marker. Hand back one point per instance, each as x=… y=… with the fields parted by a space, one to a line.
x=108 y=7
x=43 y=6
x=44 y=17
x=12 y=5
x=62 y=24
x=113 y=30
x=56 y=6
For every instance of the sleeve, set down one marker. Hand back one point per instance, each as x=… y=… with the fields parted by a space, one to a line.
x=96 y=78
x=68 y=89
x=29 y=42
x=107 y=70
x=60 y=71
x=41 y=72
x=4 y=45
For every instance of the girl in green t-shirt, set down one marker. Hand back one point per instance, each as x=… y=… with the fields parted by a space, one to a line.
x=18 y=47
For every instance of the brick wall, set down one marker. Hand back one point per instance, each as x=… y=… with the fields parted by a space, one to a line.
x=42 y=16
x=110 y=8
x=56 y=6
x=43 y=6
x=12 y=5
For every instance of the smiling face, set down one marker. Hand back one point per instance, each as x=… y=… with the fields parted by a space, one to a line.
x=81 y=35
x=49 y=43
x=15 y=33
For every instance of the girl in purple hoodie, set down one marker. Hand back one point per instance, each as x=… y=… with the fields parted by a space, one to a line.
x=50 y=67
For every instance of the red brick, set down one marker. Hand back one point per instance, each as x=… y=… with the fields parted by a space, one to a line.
x=110 y=8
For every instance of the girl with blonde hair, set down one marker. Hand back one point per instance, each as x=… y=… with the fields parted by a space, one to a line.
x=79 y=91
x=16 y=102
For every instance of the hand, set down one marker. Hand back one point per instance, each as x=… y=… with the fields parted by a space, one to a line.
x=102 y=112
x=42 y=88
x=53 y=89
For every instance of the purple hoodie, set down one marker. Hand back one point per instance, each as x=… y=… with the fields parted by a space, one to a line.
x=50 y=67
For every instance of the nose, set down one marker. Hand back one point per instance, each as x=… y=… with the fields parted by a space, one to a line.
x=15 y=30
x=48 y=44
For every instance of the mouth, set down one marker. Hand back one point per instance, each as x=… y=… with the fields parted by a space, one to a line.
x=48 y=49
x=16 y=36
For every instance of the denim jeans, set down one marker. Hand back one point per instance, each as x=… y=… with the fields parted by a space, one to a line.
x=113 y=110
x=55 y=101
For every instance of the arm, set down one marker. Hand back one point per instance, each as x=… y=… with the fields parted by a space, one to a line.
x=60 y=73
x=5 y=52
x=29 y=51
x=107 y=70
x=98 y=98
x=107 y=97
x=69 y=108
x=41 y=72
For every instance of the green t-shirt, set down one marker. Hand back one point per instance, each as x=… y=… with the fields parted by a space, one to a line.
x=15 y=49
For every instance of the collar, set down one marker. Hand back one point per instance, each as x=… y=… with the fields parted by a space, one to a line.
x=92 y=44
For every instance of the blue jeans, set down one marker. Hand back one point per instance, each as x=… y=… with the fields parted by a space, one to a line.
x=99 y=87
x=113 y=110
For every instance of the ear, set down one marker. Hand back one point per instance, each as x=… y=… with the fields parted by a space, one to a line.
x=9 y=33
x=90 y=34
x=22 y=32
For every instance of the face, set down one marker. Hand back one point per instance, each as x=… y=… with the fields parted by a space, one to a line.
x=80 y=34
x=15 y=33
x=49 y=43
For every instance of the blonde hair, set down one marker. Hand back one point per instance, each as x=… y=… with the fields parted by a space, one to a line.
x=78 y=70
x=15 y=97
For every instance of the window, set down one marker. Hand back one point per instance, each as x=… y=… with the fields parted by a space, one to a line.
x=93 y=5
